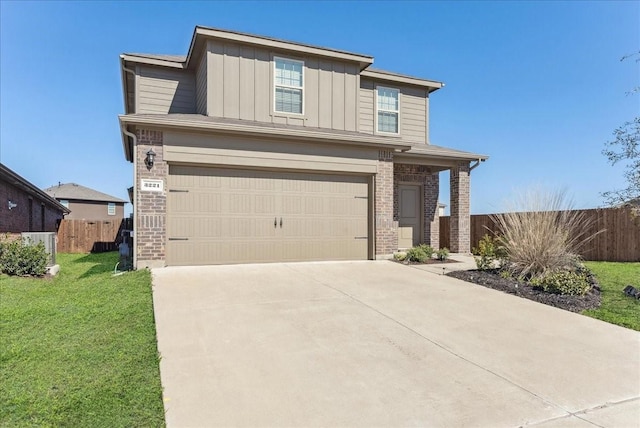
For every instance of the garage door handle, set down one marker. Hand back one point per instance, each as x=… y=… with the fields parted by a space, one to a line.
x=275 y=222
x=280 y=222
x=178 y=239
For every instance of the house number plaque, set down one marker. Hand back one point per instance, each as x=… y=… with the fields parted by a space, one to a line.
x=152 y=185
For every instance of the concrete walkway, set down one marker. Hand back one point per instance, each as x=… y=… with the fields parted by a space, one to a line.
x=381 y=344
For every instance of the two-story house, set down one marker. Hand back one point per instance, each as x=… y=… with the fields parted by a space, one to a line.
x=252 y=149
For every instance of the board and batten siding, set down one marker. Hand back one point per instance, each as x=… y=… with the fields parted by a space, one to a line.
x=414 y=110
x=201 y=85
x=162 y=91
x=240 y=86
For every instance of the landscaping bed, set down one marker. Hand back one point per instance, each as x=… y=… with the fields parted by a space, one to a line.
x=491 y=279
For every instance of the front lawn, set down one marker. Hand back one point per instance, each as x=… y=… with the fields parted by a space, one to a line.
x=79 y=349
x=616 y=307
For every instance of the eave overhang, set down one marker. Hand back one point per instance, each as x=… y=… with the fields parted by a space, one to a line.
x=430 y=85
x=437 y=156
x=198 y=123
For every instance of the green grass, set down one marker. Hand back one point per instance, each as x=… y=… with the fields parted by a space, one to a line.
x=616 y=307
x=79 y=349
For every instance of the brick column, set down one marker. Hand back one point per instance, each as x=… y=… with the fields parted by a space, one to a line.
x=150 y=207
x=431 y=214
x=460 y=213
x=386 y=227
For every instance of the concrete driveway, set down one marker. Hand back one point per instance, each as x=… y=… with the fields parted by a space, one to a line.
x=381 y=344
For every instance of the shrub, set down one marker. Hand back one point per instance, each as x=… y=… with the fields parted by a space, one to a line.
x=541 y=234
x=400 y=256
x=489 y=253
x=563 y=282
x=442 y=254
x=23 y=258
x=428 y=250
x=417 y=254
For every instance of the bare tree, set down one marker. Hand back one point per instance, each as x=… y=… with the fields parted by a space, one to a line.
x=625 y=148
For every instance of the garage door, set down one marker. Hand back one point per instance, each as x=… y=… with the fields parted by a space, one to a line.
x=219 y=216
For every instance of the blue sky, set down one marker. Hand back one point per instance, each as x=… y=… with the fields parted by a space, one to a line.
x=538 y=86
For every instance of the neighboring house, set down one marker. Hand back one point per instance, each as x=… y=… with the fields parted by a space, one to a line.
x=86 y=203
x=252 y=149
x=26 y=208
x=441 y=208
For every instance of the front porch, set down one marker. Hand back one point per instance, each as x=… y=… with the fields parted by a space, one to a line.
x=407 y=190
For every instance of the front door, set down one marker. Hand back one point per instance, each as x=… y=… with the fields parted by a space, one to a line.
x=410 y=215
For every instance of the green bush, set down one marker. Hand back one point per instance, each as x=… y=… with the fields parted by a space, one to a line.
x=563 y=282
x=23 y=258
x=417 y=254
x=428 y=250
x=442 y=254
x=488 y=252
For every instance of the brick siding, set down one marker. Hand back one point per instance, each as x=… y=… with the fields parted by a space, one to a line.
x=386 y=225
x=18 y=218
x=151 y=207
x=460 y=226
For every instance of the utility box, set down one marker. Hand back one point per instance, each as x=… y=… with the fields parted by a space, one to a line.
x=47 y=238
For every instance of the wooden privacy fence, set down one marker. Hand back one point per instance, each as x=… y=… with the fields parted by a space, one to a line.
x=620 y=241
x=90 y=236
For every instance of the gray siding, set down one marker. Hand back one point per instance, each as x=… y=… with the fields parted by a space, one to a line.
x=201 y=85
x=413 y=114
x=240 y=86
x=414 y=111
x=163 y=90
x=367 y=106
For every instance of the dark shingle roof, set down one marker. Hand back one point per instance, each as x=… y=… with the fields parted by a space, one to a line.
x=77 y=192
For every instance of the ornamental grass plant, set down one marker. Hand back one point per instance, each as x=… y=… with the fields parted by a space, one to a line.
x=541 y=234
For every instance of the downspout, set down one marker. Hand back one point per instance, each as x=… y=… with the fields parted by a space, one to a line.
x=124 y=85
x=135 y=193
x=478 y=162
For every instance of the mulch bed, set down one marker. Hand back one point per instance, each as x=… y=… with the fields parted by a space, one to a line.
x=492 y=279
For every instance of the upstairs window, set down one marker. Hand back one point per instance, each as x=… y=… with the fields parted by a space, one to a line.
x=388 y=110
x=64 y=203
x=111 y=208
x=288 y=85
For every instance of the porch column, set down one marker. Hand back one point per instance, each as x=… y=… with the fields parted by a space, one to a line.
x=460 y=228
x=431 y=214
x=386 y=227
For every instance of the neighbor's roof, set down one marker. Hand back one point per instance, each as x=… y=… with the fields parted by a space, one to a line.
x=75 y=191
x=14 y=179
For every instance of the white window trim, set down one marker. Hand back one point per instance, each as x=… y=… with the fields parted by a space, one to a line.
x=301 y=88
x=111 y=205
x=384 y=110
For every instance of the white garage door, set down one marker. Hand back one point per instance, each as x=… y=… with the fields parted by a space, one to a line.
x=217 y=216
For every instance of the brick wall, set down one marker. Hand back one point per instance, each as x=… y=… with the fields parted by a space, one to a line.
x=151 y=207
x=460 y=228
x=27 y=215
x=430 y=182
x=386 y=225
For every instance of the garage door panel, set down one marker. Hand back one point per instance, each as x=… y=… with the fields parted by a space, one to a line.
x=227 y=216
